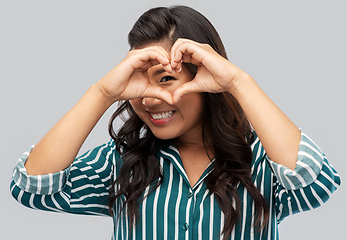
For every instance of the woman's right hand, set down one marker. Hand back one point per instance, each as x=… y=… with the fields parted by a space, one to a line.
x=129 y=79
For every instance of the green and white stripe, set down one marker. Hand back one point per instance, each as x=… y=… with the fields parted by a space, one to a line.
x=175 y=210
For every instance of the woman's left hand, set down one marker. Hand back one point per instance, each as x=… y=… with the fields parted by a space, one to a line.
x=215 y=73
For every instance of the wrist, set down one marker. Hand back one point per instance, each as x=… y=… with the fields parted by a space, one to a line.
x=102 y=93
x=240 y=83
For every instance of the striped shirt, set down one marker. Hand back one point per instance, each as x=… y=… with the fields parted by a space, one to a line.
x=175 y=210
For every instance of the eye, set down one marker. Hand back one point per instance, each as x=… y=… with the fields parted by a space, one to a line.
x=166 y=78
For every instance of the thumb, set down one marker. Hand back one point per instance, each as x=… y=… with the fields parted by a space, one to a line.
x=185 y=89
x=158 y=92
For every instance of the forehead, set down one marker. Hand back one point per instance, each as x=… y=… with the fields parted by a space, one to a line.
x=166 y=45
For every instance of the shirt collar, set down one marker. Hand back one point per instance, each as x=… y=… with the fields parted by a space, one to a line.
x=171 y=153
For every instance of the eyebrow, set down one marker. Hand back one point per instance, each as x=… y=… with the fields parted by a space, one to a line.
x=159 y=71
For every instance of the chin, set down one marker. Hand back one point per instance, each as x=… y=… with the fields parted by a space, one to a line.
x=164 y=135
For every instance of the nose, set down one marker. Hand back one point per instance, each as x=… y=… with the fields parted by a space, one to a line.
x=151 y=102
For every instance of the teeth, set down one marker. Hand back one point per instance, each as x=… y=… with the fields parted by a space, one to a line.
x=158 y=116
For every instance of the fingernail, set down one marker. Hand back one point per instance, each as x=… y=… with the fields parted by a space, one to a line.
x=168 y=68
x=172 y=63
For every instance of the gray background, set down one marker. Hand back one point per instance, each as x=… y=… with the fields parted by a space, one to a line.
x=52 y=51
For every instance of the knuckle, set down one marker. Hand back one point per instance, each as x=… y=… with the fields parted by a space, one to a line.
x=206 y=46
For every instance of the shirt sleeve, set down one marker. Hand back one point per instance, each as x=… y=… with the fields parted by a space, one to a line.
x=306 y=187
x=82 y=188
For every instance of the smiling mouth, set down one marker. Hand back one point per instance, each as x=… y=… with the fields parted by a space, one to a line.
x=162 y=115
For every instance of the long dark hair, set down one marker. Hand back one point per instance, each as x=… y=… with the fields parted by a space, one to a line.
x=225 y=127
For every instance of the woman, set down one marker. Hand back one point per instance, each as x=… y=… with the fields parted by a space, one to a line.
x=192 y=160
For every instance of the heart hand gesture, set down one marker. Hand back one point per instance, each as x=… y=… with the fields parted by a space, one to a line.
x=129 y=79
x=215 y=73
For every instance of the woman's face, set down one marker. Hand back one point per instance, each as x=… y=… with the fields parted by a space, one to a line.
x=182 y=120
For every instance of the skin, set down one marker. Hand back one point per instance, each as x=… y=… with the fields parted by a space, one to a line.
x=185 y=126
x=278 y=134
x=132 y=80
x=186 y=121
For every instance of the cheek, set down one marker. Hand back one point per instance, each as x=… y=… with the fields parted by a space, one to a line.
x=136 y=104
x=172 y=86
x=192 y=105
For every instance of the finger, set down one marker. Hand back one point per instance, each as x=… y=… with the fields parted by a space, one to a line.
x=175 y=63
x=187 y=51
x=161 y=50
x=148 y=59
x=158 y=92
x=158 y=49
x=145 y=65
x=167 y=68
x=179 y=67
x=159 y=60
x=185 y=89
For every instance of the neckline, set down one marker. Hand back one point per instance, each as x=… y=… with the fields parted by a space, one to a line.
x=171 y=152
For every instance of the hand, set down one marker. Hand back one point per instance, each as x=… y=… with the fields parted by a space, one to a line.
x=129 y=79
x=215 y=73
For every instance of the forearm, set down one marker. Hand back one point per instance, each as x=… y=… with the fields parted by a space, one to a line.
x=278 y=134
x=59 y=147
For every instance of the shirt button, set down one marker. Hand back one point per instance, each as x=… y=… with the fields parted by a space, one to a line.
x=185 y=226
x=190 y=195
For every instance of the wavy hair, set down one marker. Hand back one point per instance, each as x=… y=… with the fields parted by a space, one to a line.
x=225 y=127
